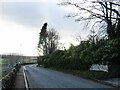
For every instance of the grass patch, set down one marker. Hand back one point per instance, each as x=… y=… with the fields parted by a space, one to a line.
x=89 y=74
x=2 y=61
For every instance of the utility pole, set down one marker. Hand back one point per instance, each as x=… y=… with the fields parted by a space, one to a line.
x=20 y=59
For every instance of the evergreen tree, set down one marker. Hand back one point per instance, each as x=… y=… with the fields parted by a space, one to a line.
x=42 y=45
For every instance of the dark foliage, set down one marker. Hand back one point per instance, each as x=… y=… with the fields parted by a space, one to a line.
x=81 y=57
x=8 y=80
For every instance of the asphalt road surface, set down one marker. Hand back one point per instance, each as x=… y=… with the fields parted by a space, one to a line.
x=39 y=77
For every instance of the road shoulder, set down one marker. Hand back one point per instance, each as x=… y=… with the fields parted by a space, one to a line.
x=113 y=82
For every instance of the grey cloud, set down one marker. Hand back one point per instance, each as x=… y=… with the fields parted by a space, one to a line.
x=30 y=14
x=34 y=14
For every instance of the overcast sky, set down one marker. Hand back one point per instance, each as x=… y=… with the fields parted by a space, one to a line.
x=21 y=21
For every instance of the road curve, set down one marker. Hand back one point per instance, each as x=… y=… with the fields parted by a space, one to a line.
x=39 y=77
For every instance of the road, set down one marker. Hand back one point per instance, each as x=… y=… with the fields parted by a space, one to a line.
x=39 y=77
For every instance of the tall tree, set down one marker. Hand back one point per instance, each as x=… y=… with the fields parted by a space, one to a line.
x=98 y=11
x=48 y=40
x=53 y=38
x=42 y=45
x=105 y=15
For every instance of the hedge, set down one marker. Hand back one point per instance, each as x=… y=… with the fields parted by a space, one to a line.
x=9 y=79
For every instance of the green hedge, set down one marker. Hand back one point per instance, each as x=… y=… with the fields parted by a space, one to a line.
x=8 y=80
x=81 y=57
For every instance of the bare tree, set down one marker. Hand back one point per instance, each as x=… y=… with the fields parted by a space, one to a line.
x=48 y=40
x=78 y=38
x=100 y=12
x=53 y=38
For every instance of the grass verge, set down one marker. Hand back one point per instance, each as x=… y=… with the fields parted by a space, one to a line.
x=93 y=75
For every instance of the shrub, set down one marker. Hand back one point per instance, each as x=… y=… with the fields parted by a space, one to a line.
x=81 y=57
x=8 y=80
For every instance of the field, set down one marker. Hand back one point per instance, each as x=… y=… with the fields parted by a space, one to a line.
x=2 y=61
x=5 y=67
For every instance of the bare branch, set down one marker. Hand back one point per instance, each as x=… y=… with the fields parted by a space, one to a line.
x=110 y=9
